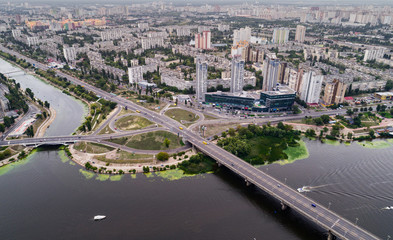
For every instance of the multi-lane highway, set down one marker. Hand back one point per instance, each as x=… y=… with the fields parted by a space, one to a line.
x=320 y=215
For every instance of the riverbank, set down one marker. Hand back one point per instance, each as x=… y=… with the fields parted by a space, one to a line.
x=17 y=156
x=82 y=158
x=41 y=130
x=32 y=73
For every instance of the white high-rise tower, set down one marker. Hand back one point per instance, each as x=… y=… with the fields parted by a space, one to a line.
x=201 y=79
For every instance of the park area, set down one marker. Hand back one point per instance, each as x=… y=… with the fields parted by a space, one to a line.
x=125 y=157
x=151 y=141
x=90 y=147
x=183 y=116
x=132 y=123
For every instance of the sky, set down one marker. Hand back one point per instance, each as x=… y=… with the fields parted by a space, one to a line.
x=214 y=2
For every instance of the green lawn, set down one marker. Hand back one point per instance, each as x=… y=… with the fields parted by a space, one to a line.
x=126 y=157
x=208 y=117
x=106 y=130
x=181 y=115
x=91 y=147
x=132 y=123
x=150 y=141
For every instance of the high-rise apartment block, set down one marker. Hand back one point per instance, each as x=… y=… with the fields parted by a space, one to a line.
x=32 y=41
x=311 y=87
x=300 y=33
x=69 y=53
x=373 y=53
x=271 y=67
x=243 y=34
x=237 y=75
x=152 y=42
x=203 y=40
x=334 y=92
x=16 y=33
x=135 y=74
x=280 y=35
x=201 y=79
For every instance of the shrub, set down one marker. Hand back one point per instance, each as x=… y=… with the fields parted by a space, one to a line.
x=162 y=156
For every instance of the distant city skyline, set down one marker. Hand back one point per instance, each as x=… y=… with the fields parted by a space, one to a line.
x=212 y=2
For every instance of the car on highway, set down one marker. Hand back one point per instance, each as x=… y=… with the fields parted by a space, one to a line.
x=313 y=205
x=204 y=142
x=181 y=128
x=137 y=111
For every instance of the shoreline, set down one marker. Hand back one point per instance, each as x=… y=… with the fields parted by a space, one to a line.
x=81 y=158
x=44 y=126
x=32 y=73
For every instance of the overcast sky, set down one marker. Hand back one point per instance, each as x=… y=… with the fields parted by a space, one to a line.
x=213 y=2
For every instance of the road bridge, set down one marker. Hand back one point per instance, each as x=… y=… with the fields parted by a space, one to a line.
x=320 y=215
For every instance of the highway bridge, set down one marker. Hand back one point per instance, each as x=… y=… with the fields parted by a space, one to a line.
x=327 y=219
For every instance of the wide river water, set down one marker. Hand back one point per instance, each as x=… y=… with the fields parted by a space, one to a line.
x=48 y=197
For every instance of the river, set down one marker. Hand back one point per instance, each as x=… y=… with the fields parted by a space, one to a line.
x=48 y=197
x=69 y=111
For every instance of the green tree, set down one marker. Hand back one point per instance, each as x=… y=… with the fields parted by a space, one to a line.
x=231 y=132
x=325 y=119
x=162 y=156
x=389 y=85
x=167 y=142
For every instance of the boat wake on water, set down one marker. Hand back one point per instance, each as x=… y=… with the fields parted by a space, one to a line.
x=310 y=188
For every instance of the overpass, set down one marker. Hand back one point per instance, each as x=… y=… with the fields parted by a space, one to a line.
x=320 y=215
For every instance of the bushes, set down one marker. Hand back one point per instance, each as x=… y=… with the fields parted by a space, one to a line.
x=198 y=164
x=162 y=156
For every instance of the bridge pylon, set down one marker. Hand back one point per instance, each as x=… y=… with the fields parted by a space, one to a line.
x=283 y=206
x=247 y=182
x=330 y=235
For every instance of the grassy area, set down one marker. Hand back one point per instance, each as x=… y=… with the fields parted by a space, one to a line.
x=217 y=129
x=91 y=147
x=268 y=148
x=208 y=117
x=181 y=115
x=132 y=123
x=126 y=157
x=106 y=130
x=124 y=112
x=152 y=106
x=150 y=141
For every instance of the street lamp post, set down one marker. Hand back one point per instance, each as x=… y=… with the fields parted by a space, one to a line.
x=329 y=205
x=388 y=237
x=285 y=180
x=356 y=223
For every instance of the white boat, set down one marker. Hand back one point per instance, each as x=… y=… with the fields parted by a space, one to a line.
x=388 y=208
x=99 y=217
x=304 y=189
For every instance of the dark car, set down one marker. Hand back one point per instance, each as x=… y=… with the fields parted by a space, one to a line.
x=313 y=205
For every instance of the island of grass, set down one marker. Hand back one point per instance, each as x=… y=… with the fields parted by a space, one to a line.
x=157 y=140
x=91 y=147
x=132 y=123
x=183 y=116
x=260 y=145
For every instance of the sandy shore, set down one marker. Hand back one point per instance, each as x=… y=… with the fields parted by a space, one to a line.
x=41 y=130
x=82 y=158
